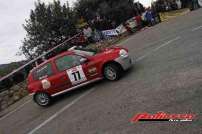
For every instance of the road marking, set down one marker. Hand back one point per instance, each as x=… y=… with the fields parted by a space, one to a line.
x=59 y=112
x=156 y=49
x=15 y=110
x=196 y=28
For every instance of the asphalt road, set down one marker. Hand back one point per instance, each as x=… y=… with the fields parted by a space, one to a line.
x=166 y=77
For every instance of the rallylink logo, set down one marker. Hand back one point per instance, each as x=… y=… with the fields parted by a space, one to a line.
x=162 y=116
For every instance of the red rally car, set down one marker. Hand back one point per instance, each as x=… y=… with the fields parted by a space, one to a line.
x=76 y=68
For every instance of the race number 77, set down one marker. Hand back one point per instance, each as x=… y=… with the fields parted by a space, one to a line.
x=76 y=75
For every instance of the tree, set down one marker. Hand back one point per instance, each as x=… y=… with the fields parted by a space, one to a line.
x=114 y=10
x=47 y=23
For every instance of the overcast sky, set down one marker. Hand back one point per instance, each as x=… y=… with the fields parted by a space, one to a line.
x=13 y=14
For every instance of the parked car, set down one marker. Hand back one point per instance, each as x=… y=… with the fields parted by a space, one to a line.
x=76 y=68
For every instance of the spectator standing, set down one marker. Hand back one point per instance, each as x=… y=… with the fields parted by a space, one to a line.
x=138 y=20
x=96 y=35
x=179 y=4
x=87 y=31
x=128 y=28
x=99 y=26
x=149 y=17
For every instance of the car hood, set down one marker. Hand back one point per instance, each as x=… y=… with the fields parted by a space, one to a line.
x=107 y=53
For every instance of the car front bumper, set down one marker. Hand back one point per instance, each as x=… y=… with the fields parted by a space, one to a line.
x=126 y=62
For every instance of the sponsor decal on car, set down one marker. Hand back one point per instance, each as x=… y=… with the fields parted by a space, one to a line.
x=92 y=71
x=46 y=84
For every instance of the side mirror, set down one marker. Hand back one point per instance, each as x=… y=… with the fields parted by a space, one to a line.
x=83 y=60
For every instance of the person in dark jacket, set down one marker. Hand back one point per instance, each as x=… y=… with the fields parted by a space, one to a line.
x=149 y=17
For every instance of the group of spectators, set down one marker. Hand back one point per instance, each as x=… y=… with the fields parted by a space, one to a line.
x=88 y=35
x=92 y=32
x=92 y=35
x=167 y=5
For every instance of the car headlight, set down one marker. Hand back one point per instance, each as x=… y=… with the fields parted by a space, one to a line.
x=123 y=53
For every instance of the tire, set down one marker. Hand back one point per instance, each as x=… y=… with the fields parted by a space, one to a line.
x=112 y=72
x=42 y=99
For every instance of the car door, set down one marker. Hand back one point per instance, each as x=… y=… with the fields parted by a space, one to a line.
x=91 y=68
x=70 y=67
x=50 y=81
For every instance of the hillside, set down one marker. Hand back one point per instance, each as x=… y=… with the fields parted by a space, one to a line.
x=8 y=68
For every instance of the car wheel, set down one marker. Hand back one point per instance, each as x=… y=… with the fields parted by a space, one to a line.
x=112 y=72
x=42 y=99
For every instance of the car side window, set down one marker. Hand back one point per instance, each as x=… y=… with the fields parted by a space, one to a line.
x=67 y=62
x=43 y=72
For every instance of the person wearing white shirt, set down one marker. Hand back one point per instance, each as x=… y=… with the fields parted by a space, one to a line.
x=87 y=31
